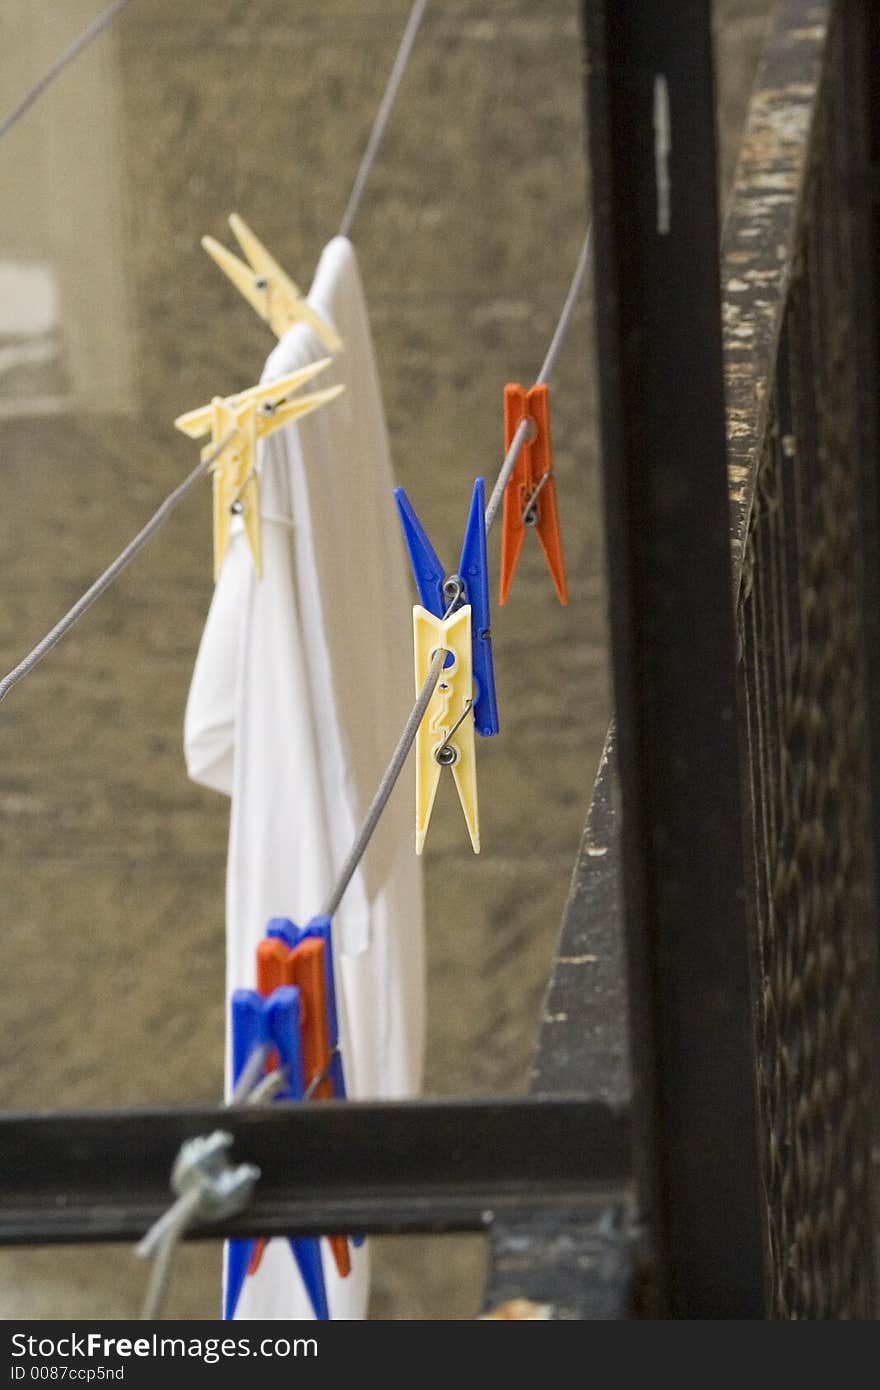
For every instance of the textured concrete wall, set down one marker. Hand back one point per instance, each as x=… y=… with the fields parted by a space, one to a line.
x=112 y=863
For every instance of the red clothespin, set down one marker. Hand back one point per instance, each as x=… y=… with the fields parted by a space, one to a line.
x=303 y=966
x=530 y=495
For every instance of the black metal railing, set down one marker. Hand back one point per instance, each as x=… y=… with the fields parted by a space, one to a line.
x=803 y=603
x=800 y=333
x=697 y=1138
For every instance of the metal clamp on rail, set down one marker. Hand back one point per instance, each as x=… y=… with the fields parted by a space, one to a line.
x=208 y=1188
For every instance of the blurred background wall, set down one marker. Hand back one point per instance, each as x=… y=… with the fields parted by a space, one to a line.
x=113 y=321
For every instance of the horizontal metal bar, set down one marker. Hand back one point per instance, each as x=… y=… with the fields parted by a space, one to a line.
x=389 y=1167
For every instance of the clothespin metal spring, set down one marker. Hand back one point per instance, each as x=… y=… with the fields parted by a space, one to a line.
x=446 y=755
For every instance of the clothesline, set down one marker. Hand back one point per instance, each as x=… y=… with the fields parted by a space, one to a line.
x=244 y=1093
x=202 y=469
x=194 y=1202
x=61 y=62
x=547 y=369
x=174 y=499
x=395 y=767
x=376 y=134
x=115 y=568
x=398 y=760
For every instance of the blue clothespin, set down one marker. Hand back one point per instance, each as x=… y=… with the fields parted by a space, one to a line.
x=319 y=928
x=473 y=571
x=272 y=1022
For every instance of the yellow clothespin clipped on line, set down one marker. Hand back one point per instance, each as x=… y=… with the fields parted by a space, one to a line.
x=266 y=287
x=253 y=415
x=446 y=734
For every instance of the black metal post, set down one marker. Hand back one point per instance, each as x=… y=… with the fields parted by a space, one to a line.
x=652 y=142
x=859 y=114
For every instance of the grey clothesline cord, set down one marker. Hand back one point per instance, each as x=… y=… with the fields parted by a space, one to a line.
x=386 y=786
x=381 y=121
x=251 y=1073
x=174 y=1225
x=547 y=370
x=521 y=434
x=61 y=62
x=568 y=308
x=113 y=571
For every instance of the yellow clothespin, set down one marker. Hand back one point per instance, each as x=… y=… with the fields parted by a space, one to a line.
x=253 y=415
x=266 y=287
x=446 y=734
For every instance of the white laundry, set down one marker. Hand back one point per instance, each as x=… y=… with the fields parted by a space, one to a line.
x=301 y=687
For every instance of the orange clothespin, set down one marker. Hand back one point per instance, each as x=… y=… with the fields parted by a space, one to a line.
x=530 y=495
x=303 y=967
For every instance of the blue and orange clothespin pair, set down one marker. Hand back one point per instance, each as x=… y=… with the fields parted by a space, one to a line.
x=454 y=614
x=278 y=955
x=292 y=1014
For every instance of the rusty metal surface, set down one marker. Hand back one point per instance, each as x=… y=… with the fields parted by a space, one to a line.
x=760 y=238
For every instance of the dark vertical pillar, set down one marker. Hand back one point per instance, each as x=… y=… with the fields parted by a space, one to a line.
x=858 y=110
x=652 y=142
